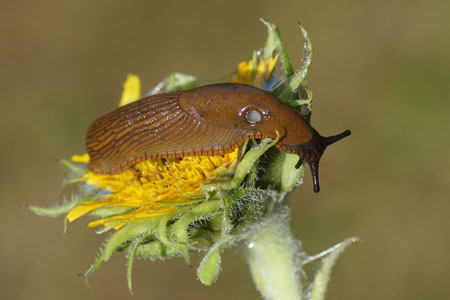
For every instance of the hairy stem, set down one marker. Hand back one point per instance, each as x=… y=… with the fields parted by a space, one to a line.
x=273 y=256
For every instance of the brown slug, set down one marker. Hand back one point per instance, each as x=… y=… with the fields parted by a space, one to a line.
x=209 y=120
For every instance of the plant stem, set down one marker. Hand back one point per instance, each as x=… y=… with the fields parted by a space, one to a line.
x=273 y=255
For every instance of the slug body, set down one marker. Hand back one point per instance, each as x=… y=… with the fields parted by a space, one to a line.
x=209 y=120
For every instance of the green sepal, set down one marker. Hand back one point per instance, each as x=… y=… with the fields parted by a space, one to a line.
x=180 y=82
x=108 y=227
x=247 y=163
x=208 y=270
x=162 y=226
x=62 y=209
x=254 y=63
x=303 y=105
x=299 y=79
x=289 y=91
x=274 y=39
x=106 y=212
x=175 y=82
x=69 y=181
x=156 y=249
x=247 y=206
x=229 y=199
x=124 y=234
x=75 y=172
x=153 y=249
x=73 y=168
x=271 y=177
x=196 y=197
x=251 y=176
x=280 y=173
x=244 y=148
x=65 y=226
x=198 y=212
x=131 y=253
x=270 y=46
x=162 y=231
x=209 y=267
x=203 y=237
x=216 y=223
x=290 y=175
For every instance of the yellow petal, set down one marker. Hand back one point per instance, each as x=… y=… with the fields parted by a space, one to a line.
x=270 y=64
x=80 y=158
x=131 y=90
x=83 y=209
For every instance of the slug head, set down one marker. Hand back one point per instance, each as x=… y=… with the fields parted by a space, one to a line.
x=258 y=114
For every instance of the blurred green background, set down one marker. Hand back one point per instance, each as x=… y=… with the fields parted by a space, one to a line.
x=381 y=68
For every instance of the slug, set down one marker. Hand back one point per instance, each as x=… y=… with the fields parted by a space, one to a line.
x=209 y=120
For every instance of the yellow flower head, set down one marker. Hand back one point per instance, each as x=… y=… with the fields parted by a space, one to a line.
x=157 y=187
x=150 y=188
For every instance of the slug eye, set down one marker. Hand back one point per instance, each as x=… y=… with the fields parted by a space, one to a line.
x=253 y=116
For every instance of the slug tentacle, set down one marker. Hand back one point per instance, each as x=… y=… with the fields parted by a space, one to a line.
x=314 y=166
x=312 y=151
x=334 y=138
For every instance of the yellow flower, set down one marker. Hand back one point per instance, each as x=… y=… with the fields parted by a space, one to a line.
x=150 y=188
x=155 y=188
x=256 y=71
